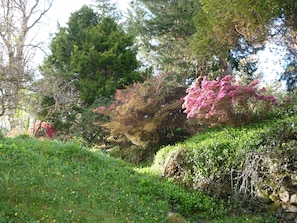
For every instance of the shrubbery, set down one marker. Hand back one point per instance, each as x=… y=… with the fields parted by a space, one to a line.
x=148 y=113
x=225 y=101
x=255 y=163
x=43 y=129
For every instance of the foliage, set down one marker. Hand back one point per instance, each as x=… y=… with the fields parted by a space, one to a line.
x=63 y=182
x=223 y=101
x=56 y=101
x=222 y=26
x=88 y=127
x=149 y=113
x=95 y=54
x=232 y=162
x=290 y=76
x=162 y=28
x=224 y=22
x=107 y=8
x=244 y=61
x=89 y=60
x=207 y=36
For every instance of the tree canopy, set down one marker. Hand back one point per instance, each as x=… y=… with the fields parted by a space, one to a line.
x=95 y=54
x=163 y=28
x=207 y=36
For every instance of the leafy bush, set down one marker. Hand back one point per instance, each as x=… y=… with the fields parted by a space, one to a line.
x=212 y=155
x=148 y=113
x=273 y=163
x=88 y=127
x=253 y=163
x=223 y=101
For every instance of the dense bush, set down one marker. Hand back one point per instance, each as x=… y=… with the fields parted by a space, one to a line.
x=148 y=113
x=206 y=158
x=225 y=101
x=87 y=127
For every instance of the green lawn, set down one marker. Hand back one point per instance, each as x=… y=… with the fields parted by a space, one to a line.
x=44 y=181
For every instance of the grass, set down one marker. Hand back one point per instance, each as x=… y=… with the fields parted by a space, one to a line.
x=43 y=181
x=47 y=181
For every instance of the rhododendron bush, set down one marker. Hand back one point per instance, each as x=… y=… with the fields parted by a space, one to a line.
x=226 y=101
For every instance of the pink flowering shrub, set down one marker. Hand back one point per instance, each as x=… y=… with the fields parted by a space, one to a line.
x=225 y=101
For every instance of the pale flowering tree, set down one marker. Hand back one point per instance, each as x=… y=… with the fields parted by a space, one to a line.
x=53 y=98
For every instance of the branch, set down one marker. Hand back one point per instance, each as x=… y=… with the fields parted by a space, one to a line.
x=292 y=51
x=40 y=15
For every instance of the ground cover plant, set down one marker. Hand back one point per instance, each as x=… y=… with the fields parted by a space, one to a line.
x=46 y=181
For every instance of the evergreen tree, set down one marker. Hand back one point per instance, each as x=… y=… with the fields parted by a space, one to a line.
x=95 y=54
x=97 y=57
x=211 y=36
x=163 y=27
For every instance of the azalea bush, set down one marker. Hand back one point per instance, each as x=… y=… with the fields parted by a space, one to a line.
x=226 y=101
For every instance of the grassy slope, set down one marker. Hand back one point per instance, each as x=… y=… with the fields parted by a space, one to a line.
x=44 y=181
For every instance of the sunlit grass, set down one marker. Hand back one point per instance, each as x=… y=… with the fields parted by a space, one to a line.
x=43 y=181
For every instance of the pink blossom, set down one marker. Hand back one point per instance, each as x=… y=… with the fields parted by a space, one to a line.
x=217 y=99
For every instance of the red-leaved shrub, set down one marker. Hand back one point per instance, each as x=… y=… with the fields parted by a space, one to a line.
x=147 y=113
x=225 y=101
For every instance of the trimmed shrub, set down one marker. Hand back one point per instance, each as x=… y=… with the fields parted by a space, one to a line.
x=251 y=166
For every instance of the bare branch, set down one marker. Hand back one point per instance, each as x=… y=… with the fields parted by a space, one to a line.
x=17 y=18
x=42 y=14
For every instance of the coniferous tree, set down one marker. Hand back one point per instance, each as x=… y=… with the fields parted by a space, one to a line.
x=95 y=54
x=225 y=27
x=163 y=28
x=212 y=35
